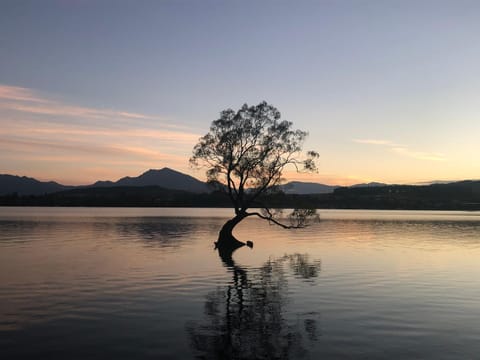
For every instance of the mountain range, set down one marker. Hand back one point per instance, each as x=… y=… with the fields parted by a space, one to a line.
x=305 y=188
x=166 y=178
x=302 y=188
x=23 y=185
x=167 y=187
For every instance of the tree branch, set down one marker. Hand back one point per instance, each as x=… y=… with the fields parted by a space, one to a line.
x=276 y=222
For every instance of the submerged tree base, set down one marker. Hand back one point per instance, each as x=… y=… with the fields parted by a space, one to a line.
x=226 y=241
x=226 y=248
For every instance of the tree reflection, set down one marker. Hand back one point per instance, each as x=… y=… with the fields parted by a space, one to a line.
x=247 y=318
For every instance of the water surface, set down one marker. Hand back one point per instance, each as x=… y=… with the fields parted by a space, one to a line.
x=147 y=283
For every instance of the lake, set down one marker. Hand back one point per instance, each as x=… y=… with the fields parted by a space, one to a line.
x=127 y=283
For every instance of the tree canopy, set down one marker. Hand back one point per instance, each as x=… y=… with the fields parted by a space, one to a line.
x=246 y=152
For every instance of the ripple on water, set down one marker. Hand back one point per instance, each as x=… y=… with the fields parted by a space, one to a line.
x=150 y=286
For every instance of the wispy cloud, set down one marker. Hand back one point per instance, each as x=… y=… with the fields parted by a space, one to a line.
x=19 y=94
x=403 y=150
x=81 y=152
x=27 y=101
x=48 y=129
x=36 y=129
x=419 y=155
x=373 y=142
x=58 y=109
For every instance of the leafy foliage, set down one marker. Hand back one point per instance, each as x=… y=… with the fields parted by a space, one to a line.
x=245 y=152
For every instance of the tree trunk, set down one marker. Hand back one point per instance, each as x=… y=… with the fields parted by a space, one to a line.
x=226 y=240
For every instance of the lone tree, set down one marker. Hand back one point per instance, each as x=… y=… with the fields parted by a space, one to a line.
x=245 y=153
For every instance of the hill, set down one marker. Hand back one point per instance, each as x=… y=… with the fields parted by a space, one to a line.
x=120 y=196
x=167 y=187
x=302 y=188
x=461 y=195
x=22 y=185
x=165 y=178
x=368 y=185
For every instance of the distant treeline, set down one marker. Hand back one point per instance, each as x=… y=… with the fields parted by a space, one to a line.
x=464 y=195
x=119 y=196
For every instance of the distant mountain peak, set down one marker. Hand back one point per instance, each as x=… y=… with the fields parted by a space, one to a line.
x=370 y=184
x=162 y=170
x=167 y=178
x=299 y=187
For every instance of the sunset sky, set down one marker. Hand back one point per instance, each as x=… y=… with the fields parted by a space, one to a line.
x=389 y=91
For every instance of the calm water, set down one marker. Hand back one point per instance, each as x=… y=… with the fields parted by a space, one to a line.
x=146 y=283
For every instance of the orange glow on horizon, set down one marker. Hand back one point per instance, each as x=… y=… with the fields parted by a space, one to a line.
x=49 y=140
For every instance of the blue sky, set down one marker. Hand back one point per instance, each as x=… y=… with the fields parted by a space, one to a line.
x=388 y=90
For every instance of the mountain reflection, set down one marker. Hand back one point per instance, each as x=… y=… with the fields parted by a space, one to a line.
x=158 y=232
x=247 y=318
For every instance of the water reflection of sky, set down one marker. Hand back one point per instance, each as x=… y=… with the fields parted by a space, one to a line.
x=115 y=284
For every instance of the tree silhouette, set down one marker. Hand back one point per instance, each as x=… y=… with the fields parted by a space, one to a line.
x=245 y=153
x=246 y=318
